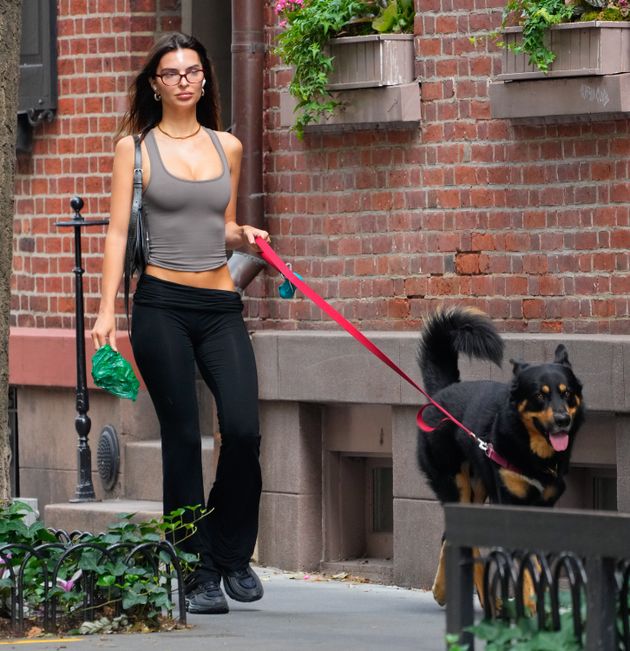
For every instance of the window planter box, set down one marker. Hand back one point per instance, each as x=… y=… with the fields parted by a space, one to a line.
x=371 y=61
x=364 y=108
x=373 y=77
x=581 y=49
x=590 y=74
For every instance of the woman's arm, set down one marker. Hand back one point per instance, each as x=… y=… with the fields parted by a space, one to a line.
x=115 y=242
x=237 y=236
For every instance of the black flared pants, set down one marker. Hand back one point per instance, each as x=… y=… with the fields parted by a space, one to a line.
x=175 y=328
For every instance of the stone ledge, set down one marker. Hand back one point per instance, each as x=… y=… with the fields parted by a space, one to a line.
x=96 y=516
x=331 y=367
x=376 y=570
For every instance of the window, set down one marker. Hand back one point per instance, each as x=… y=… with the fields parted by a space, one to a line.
x=37 y=97
x=604 y=492
x=382 y=500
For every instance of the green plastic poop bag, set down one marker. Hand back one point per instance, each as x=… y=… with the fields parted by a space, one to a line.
x=112 y=372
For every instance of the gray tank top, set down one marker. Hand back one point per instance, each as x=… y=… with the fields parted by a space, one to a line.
x=185 y=219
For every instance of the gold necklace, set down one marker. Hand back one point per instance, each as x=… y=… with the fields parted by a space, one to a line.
x=194 y=133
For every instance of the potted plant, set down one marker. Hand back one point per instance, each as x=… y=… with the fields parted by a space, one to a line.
x=560 y=38
x=316 y=34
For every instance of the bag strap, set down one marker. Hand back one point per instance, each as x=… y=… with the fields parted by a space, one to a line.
x=136 y=205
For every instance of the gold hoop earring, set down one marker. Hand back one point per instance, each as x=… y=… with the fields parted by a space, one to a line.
x=157 y=97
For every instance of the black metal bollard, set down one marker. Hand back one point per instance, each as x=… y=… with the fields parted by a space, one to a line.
x=85 y=487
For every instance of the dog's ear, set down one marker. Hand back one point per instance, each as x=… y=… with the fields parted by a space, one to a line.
x=518 y=366
x=561 y=356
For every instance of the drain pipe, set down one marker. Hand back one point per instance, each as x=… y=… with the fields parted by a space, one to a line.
x=248 y=58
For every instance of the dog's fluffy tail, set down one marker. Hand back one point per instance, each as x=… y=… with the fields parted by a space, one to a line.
x=447 y=333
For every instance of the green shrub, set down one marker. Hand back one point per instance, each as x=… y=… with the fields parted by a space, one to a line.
x=129 y=567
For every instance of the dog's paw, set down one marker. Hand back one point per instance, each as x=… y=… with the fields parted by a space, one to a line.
x=439 y=593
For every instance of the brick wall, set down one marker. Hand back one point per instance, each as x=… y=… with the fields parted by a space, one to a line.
x=99 y=43
x=528 y=221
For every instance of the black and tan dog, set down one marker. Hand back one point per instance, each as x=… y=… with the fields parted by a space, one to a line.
x=531 y=422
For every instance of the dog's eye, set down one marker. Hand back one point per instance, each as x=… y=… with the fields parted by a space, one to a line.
x=566 y=395
x=539 y=396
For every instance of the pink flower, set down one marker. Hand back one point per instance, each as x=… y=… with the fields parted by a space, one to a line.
x=288 y=6
x=66 y=586
x=3 y=561
x=8 y=556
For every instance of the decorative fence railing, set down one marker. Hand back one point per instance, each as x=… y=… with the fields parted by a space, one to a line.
x=539 y=563
x=78 y=581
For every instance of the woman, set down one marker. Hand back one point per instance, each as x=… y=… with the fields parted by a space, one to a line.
x=185 y=310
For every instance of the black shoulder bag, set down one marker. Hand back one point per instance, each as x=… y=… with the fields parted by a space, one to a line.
x=137 y=251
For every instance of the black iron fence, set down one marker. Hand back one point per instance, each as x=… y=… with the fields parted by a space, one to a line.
x=80 y=578
x=538 y=564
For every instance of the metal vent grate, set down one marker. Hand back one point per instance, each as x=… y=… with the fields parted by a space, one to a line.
x=108 y=457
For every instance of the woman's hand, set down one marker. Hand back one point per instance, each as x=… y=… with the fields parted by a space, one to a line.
x=250 y=234
x=104 y=331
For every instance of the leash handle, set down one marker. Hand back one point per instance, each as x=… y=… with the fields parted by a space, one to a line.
x=272 y=258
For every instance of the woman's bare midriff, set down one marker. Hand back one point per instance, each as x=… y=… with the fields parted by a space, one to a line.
x=212 y=279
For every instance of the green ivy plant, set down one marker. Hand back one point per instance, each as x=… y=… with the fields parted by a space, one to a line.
x=536 y=17
x=453 y=643
x=395 y=17
x=308 y=25
x=143 y=593
x=523 y=634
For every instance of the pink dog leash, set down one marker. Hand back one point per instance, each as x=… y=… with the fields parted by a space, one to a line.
x=272 y=258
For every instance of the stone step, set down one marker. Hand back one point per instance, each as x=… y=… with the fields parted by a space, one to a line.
x=96 y=516
x=375 y=570
x=143 y=468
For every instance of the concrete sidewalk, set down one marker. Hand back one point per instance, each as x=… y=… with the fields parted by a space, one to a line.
x=296 y=614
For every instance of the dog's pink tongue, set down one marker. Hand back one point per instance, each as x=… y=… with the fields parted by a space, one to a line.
x=560 y=441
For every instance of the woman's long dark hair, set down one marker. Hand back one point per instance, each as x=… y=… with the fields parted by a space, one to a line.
x=144 y=112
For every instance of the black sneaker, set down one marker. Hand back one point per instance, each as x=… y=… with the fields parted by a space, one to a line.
x=207 y=599
x=242 y=585
x=190 y=582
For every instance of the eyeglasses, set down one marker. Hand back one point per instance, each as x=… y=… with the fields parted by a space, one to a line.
x=172 y=77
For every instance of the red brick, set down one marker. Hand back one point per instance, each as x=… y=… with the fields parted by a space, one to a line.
x=484 y=241
x=142 y=5
x=551 y=326
x=535 y=264
x=467 y=263
x=517 y=242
